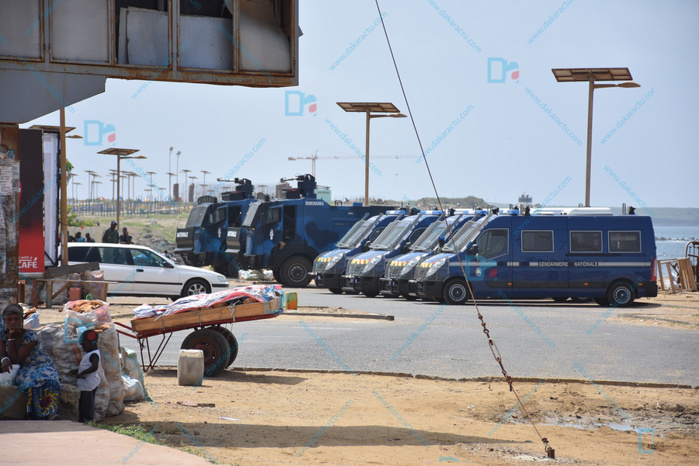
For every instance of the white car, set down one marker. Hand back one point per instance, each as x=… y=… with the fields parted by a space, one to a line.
x=140 y=271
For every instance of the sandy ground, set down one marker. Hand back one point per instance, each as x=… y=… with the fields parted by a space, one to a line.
x=279 y=417
x=310 y=418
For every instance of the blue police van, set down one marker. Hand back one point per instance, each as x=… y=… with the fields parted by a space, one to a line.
x=365 y=270
x=402 y=268
x=329 y=267
x=579 y=252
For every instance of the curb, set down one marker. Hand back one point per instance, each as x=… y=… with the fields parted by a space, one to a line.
x=641 y=316
x=491 y=379
x=352 y=316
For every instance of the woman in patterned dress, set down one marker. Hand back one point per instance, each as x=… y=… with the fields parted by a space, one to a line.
x=37 y=377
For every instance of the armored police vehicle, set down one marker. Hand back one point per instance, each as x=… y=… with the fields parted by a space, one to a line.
x=365 y=270
x=329 y=267
x=287 y=235
x=579 y=252
x=203 y=239
x=402 y=268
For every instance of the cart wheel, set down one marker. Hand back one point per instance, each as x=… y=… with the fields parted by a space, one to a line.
x=232 y=344
x=214 y=346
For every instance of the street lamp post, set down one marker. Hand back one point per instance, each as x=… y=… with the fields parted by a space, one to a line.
x=385 y=109
x=591 y=75
x=121 y=154
x=194 y=188
x=203 y=183
x=185 y=192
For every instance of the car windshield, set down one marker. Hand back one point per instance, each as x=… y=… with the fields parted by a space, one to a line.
x=463 y=236
x=428 y=240
x=393 y=235
x=251 y=217
x=357 y=231
x=196 y=216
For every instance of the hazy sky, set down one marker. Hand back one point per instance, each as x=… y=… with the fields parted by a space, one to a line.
x=505 y=144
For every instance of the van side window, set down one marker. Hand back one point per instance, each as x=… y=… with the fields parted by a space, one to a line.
x=492 y=243
x=585 y=241
x=537 y=241
x=77 y=254
x=624 y=241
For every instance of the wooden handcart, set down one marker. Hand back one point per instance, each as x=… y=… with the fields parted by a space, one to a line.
x=219 y=345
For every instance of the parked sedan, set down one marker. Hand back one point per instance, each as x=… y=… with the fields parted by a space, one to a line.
x=140 y=271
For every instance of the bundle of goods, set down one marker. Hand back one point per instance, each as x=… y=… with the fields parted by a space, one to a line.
x=232 y=303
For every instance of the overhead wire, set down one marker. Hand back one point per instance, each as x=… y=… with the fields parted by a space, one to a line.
x=491 y=343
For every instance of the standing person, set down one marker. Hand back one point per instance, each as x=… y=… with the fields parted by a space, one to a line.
x=88 y=238
x=88 y=377
x=79 y=238
x=125 y=237
x=111 y=235
x=37 y=377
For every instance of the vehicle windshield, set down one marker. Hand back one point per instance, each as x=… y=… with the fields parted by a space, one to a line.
x=393 y=235
x=251 y=217
x=357 y=234
x=196 y=216
x=429 y=239
x=463 y=236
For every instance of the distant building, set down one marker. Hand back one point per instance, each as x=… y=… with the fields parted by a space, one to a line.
x=281 y=189
x=524 y=201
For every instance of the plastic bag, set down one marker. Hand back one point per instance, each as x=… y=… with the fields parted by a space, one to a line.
x=132 y=368
x=8 y=379
x=32 y=322
x=133 y=390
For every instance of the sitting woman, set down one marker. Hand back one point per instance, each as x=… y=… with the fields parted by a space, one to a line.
x=37 y=377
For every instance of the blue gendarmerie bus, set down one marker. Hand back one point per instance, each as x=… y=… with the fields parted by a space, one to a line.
x=577 y=252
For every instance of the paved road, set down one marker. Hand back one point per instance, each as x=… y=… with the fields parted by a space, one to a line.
x=535 y=338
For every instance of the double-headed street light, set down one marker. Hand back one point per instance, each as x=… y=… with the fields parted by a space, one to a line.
x=564 y=75
x=385 y=109
x=121 y=154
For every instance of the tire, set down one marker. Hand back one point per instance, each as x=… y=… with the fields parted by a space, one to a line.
x=370 y=291
x=455 y=291
x=232 y=269
x=221 y=267
x=196 y=286
x=277 y=276
x=232 y=344
x=294 y=272
x=602 y=301
x=336 y=290
x=215 y=348
x=410 y=297
x=580 y=299
x=620 y=294
x=559 y=300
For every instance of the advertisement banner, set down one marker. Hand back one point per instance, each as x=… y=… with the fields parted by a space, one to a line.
x=30 y=218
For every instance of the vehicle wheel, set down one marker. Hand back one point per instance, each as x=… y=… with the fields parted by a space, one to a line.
x=276 y=275
x=232 y=344
x=196 y=286
x=620 y=294
x=232 y=269
x=214 y=346
x=455 y=291
x=602 y=301
x=221 y=267
x=336 y=290
x=410 y=297
x=559 y=300
x=371 y=289
x=294 y=272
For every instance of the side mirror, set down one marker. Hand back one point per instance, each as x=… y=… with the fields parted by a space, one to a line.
x=473 y=250
x=441 y=241
x=406 y=247
x=365 y=248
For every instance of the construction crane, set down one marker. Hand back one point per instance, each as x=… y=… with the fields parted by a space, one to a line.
x=315 y=157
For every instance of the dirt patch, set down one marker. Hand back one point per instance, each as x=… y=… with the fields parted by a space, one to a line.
x=271 y=417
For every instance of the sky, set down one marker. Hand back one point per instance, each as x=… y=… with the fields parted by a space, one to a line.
x=478 y=79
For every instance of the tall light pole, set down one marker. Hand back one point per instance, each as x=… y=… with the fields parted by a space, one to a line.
x=384 y=109
x=121 y=154
x=591 y=75
x=194 y=188
x=169 y=183
x=169 y=169
x=185 y=193
x=203 y=183
x=179 y=188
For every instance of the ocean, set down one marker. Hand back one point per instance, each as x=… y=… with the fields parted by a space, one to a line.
x=670 y=241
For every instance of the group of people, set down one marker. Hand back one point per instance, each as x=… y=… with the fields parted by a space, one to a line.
x=37 y=377
x=78 y=238
x=111 y=235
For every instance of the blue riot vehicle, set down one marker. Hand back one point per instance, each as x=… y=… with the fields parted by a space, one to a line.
x=365 y=270
x=203 y=240
x=401 y=269
x=329 y=267
x=286 y=235
x=578 y=252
